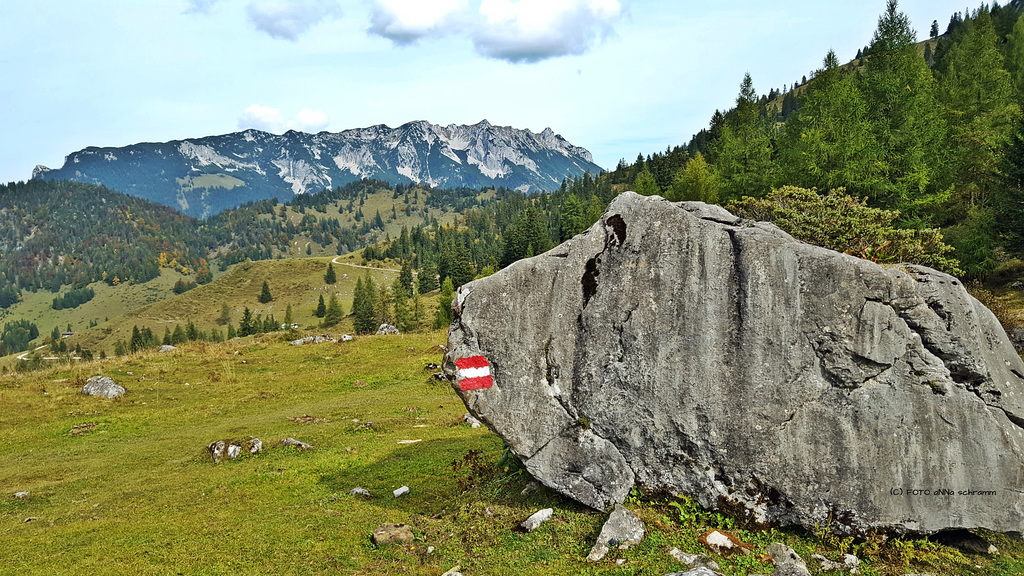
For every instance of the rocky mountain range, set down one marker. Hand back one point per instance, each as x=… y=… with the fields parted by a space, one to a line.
x=203 y=176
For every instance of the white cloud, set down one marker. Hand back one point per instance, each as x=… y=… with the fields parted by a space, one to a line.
x=405 y=21
x=309 y=121
x=534 y=30
x=270 y=120
x=288 y=19
x=199 y=6
x=512 y=30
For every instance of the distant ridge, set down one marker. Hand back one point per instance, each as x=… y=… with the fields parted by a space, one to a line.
x=202 y=176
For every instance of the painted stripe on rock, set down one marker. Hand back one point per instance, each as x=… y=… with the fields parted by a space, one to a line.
x=474 y=373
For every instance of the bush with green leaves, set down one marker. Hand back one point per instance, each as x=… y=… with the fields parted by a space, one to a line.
x=846 y=224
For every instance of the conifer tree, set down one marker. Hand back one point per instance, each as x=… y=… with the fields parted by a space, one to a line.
x=288 y=316
x=330 y=277
x=445 y=314
x=225 y=314
x=265 y=296
x=321 y=308
x=363 y=302
x=645 y=184
x=334 y=312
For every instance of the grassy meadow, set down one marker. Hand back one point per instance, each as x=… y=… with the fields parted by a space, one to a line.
x=126 y=486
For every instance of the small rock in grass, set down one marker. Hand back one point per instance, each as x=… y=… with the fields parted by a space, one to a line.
x=536 y=519
x=296 y=443
x=849 y=564
x=102 y=386
x=359 y=492
x=531 y=486
x=21 y=495
x=787 y=562
x=392 y=534
x=168 y=348
x=473 y=422
x=694 y=560
x=622 y=530
x=234 y=450
x=723 y=543
x=401 y=491
x=701 y=571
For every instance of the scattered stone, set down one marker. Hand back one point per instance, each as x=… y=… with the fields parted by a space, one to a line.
x=410 y=409
x=168 y=348
x=318 y=339
x=346 y=337
x=432 y=366
x=694 y=560
x=622 y=530
x=536 y=519
x=254 y=445
x=403 y=442
x=21 y=495
x=221 y=450
x=102 y=386
x=586 y=386
x=849 y=564
x=430 y=549
x=401 y=491
x=34 y=518
x=473 y=422
x=82 y=429
x=307 y=419
x=392 y=534
x=531 y=486
x=453 y=572
x=701 y=571
x=387 y=329
x=723 y=543
x=787 y=562
x=302 y=446
x=439 y=377
x=360 y=492
x=1018 y=284
x=234 y=450
x=620 y=561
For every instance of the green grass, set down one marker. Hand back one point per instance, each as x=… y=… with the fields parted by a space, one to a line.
x=139 y=494
x=297 y=281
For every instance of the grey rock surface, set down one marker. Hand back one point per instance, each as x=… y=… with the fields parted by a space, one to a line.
x=787 y=562
x=301 y=446
x=622 y=530
x=168 y=348
x=699 y=571
x=386 y=329
x=694 y=560
x=675 y=346
x=102 y=386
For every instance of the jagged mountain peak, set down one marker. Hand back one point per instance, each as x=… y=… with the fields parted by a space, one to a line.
x=202 y=176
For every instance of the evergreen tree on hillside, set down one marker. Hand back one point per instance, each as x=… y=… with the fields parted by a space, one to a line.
x=225 y=314
x=645 y=184
x=697 y=181
x=828 y=143
x=445 y=315
x=405 y=278
x=1015 y=55
x=265 y=296
x=934 y=32
x=742 y=155
x=573 y=220
x=427 y=279
x=288 y=316
x=330 y=277
x=334 y=312
x=905 y=114
x=363 y=302
x=321 y=308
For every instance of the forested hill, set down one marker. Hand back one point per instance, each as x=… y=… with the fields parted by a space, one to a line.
x=931 y=128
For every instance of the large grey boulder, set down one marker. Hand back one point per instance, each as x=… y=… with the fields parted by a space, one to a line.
x=678 y=347
x=102 y=386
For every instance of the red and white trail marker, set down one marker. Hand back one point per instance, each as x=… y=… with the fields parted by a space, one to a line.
x=474 y=373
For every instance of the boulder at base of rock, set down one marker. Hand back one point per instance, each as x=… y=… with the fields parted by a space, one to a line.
x=386 y=329
x=622 y=530
x=392 y=534
x=680 y=348
x=102 y=386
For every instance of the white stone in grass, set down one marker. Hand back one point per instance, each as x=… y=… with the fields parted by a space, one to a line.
x=21 y=495
x=401 y=491
x=536 y=519
x=359 y=492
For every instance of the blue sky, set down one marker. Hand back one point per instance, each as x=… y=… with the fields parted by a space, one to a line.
x=617 y=77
